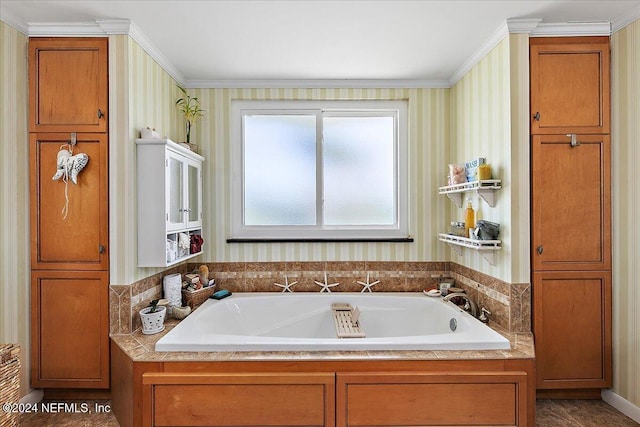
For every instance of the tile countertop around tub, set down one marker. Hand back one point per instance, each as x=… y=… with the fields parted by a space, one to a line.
x=141 y=348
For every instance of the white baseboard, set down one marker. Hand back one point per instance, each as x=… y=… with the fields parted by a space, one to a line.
x=32 y=398
x=621 y=404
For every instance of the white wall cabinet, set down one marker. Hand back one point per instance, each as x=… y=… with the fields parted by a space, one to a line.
x=169 y=201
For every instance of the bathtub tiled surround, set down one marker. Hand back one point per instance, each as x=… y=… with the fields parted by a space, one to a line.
x=510 y=304
x=125 y=301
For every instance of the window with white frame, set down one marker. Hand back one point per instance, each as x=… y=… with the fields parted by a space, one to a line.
x=319 y=170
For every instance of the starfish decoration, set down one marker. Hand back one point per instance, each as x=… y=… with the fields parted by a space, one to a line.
x=367 y=285
x=326 y=285
x=287 y=286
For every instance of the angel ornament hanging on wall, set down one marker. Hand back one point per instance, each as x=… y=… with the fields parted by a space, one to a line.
x=69 y=166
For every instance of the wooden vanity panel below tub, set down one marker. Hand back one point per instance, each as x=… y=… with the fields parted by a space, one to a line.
x=134 y=382
x=270 y=399
x=431 y=399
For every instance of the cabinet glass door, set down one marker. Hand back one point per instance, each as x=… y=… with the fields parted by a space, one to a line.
x=175 y=195
x=194 y=202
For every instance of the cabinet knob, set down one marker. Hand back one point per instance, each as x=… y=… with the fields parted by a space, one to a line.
x=100 y=113
x=537 y=116
x=539 y=249
x=101 y=249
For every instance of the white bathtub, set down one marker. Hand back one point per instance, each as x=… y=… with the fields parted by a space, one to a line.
x=304 y=322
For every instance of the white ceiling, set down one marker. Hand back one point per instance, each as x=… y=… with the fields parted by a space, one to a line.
x=203 y=42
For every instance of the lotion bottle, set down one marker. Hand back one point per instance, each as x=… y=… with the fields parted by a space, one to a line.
x=469 y=218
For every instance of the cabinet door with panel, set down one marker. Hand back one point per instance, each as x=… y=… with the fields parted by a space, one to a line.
x=572 y=327
x=184 y=192
x=571 y=193
x=68 y=85
x=79 y=240
x=570 y=85
x=70 y=329
x=406 y=398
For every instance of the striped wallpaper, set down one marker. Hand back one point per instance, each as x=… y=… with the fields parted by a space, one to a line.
x=625 y=132
x=480 y=123
x=141 y=94
x=479 y=107
x=428 y=136
x=14 y=196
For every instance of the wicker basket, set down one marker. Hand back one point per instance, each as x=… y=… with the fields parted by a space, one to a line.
x=195 y=298
x=9 y=381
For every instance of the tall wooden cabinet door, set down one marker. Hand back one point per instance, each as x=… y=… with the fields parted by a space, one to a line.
x=69 y=221
x=70 y=329
x=571 y=206
x=68 y=85
x=572 y=328
x=570 y=85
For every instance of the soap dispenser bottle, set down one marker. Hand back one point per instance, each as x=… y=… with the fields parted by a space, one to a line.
x=469 y=218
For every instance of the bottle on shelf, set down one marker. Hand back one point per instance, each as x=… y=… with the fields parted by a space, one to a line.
x=469 y=218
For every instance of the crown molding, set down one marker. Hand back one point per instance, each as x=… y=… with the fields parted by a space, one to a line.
x=572 y=29
x=535 y=28
x=114 y=26
x=485 y=48
x=522 y=26
x=138 y=36
x=632 y=16
x=318 y=84
x=62 y=29
x=106 y=27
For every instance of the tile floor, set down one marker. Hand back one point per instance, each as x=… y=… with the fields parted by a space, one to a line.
x=579 y=413
x=549 y=413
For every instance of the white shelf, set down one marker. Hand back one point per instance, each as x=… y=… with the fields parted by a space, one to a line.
x=486 y=248
x=485 y=188
x=181 y=259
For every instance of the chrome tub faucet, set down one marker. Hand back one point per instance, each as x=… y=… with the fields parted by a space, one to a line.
x=469 y=305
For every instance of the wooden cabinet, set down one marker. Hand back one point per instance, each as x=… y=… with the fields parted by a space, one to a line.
x=275 y=399
x=79 y=240
x=69 y=221
x=420 y=398
x=70 y=346
x=570 y=88
x=327 y=393
x=571 y=203
x=573 y=329
x=68 y=85
x=169 y=201
x=571 y=212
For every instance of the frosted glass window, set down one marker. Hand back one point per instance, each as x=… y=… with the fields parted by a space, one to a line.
x=358 y=157
x=319 y=170
x=280 y=170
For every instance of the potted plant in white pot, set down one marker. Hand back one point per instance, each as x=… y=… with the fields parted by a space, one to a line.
x=153 y=318
x=190 y=108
